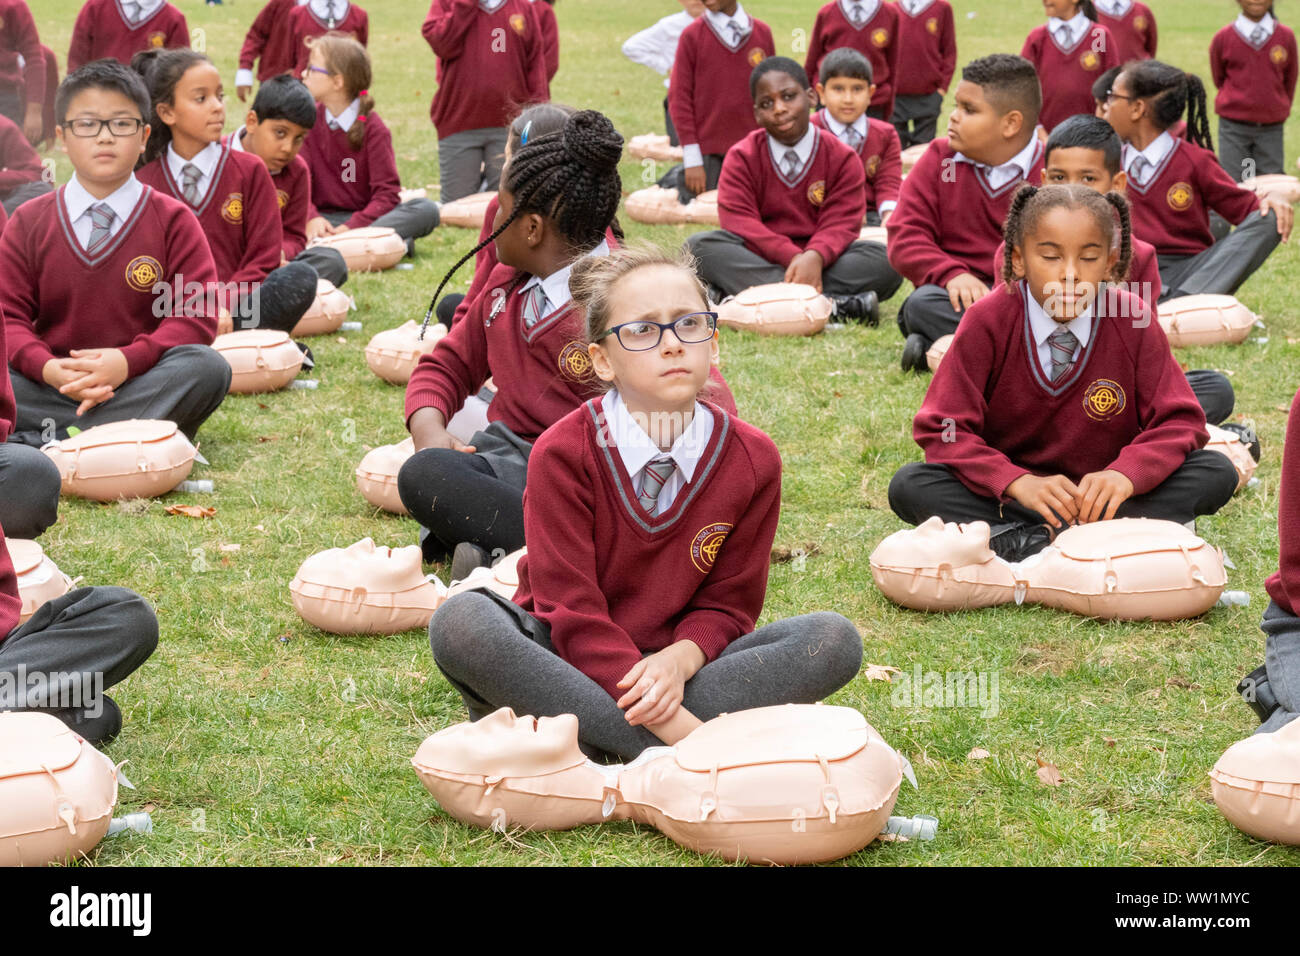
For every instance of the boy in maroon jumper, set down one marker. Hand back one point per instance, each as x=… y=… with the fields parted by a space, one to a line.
x=1253 y=63
x=1069 y=52
x=708 y=97
x=791 y=204
x=269 y=43
x=845 y=89
x=86 y=344
x=491 y=60
x=927 y=58
x=316 y=18
x=122 y=28
x=948 y=224
x=22 y=69
x=871 y=28
x=22 y=177
x=1067 y=404
x=1132 y=26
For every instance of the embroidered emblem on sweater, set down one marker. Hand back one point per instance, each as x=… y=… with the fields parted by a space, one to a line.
x=817 y=192
x=1103 y=399
x=871 y=166
x=1140 y=23
x=574 y=362
x=517 y=21
x=932 y=25
x=232 y=210
x=756 y=56
x=157 y=39
x=880 y=37
x=142 y=272
x=707 y=543
x=282 y=198
x=1089 y=60
x=1277 y=55
x=1179 y=196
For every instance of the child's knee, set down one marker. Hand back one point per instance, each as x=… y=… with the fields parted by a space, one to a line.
x=453 y=630
x=207 y=369
x=134 y=620
x=840 y=650
x=902 y=487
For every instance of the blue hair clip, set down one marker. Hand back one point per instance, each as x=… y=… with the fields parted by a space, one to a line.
x=523 y=137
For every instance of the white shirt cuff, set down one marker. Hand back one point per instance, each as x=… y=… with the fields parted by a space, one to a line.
x=691 y=155
x=243 y=78
x=885 y=208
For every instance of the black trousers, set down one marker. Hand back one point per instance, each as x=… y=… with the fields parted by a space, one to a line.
x=916 y=117
x=458 y=497
x=675 y=178
x=726 y=263
x=1201 y=485
x=1224 y=266
x=279 y=300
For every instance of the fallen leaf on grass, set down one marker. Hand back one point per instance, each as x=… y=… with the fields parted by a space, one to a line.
x=978 y=753
x=881 y=672
x=192 y=511
x=262 y=674
x=149 y=808
x=1048 y=774
x=134 y=506
x=1109 y=741
x=263 y=439
x=1183 y=682
x=263 y=405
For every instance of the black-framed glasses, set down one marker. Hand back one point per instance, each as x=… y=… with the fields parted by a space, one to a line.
x=84 y=127
x=643 y=335
x=1112 y=95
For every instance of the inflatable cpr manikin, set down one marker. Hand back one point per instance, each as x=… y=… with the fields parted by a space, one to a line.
x=659 y=206
x=261 y=360
x=137 y=458
x=377 y=475
x=1204 y=319
x=327 y=311
x=1230 y=444
x=1125 y=568
x=39 y=579
x=394 y=353
x=1284 y=187
x=368 y=249
x=874 y=234
x=467 y=212
x=406 y=194
x=1256 y=785
x=778 y=308
x=937 y=351
x=912 y=155
x=654 y=146
x=502 y=578
x=362 y=589
x=798 y=783
x=57 y=792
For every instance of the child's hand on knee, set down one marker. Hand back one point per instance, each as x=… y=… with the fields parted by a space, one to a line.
x=1285 y=214
x=428 y=430
x=806 y=268
x=1055 y=497
x=1101 y=493
x=964 y=290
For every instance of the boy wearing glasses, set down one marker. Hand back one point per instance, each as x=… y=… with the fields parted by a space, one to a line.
x=103 y=300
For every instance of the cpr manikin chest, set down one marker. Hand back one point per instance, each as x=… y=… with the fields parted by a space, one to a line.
x=39 y=579
x=1205 y=319
x=1125 y=568
x=654 y=146
x=1256 y=785
x=1279 y=185
x=261 y=360
x=137 y=458
x=502 y=578
x=377 y=475
x=467 y=212
x=368 y=249
x=1230 y=445
x=937 y=351
x=363 y=589
x=57 y=792
x=327 y=312
x=393 y=354
x=658 y=205
x=796 y=783
x=874 y=234
x=778 y=308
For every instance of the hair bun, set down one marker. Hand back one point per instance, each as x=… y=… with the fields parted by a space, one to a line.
x=589 y=139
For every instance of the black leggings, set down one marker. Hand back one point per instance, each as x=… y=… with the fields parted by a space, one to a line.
x=457 y=497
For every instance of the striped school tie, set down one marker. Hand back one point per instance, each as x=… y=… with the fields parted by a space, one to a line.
x=653 y=478
x=1063 y=37
x=132 y=11
x=190 y=183
x=535 y=305
x=1061 y=344
x=736 y=34
x=1257 y=36
x=792 y=164
x=859 y=15
x=852 y=138
x=1138 y=168
x=329 y=14
x=101 y=224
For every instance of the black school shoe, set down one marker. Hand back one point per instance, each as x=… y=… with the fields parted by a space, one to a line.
x=1255 y=690
x=858 y=308
x=914 y=350
x=466 y=558
x=1015 y=542
x=1247 y=436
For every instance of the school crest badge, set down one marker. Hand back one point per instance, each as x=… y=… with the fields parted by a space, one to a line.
x=232 y=210
x=517 y=23
x=1278 y=55
x=143 y=272
x=932 y=25
x=707 y=543
x=880 y=37
x=817 y=192
x=574 y=362
x=282 y=198
x=872 y=165
x=756 y=56
x=1140 y=23
x=1103 y=399
x=1089 y=60
x=157 y=39
x=1179 y=196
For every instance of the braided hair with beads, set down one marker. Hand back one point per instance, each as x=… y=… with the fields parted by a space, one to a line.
x=1031 y=202
x=570 y=177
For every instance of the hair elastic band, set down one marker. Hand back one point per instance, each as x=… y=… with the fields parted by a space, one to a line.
x=364 y=93
x=523 y=137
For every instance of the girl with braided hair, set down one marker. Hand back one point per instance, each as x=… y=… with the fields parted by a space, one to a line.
x=1065 y=405
x=1174 y=184
x=557 y=198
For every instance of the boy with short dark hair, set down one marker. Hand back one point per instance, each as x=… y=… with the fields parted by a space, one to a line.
x=948 y=224
x=277 y=124
x=791 y=203
x=119 y=30
x=90 y=338
x=871 y=28
x=927 y=59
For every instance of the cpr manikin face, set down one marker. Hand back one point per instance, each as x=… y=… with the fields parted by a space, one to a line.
x=503 y=745
x=657 y=205
x=942 y=567
x=368 y=249
x=1256 y=785
x=362 y=589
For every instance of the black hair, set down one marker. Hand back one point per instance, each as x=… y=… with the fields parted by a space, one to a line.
x=538 y=120
x=1085 y=131
x=162 y=70
x=1031 y=202
x=847 y=63
x=1089 y=9
x=285 y=97
x=1170 y=91
x=1102 y=85
x=570 y=177
x=777 y=64
x=107 y=74
x=1009 y=82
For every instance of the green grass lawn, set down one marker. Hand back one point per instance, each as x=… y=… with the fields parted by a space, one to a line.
x=256 y=739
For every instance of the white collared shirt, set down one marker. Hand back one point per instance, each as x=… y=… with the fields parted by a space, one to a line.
x=346 y=118
x=720 y=21
x=1043 y=325
x=236 y=140
x=636 y=449
x=803 y=149
x=322 y=9
x=1077 y=24
x=1154 y=154
x=78 y=202
x=490 y=6
x=1018 y=166
x=1246 y=26
x=914 y=7
x=860 y=124
x=205 y=159
x=656 y=46
x=869 y=8
x=556 y=285
x=1115 y=8
x=245 y=77
x=147 y=9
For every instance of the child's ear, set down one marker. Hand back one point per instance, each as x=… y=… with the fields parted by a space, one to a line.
x=1013 y=123
x=250 y=120
x=600 y=362
x=1017 y=263
x=59 y=140
x=871 y=92
x=820 y=90
x=165 y=113
x=1119 y=183
x=534 y=229
x=715 y=353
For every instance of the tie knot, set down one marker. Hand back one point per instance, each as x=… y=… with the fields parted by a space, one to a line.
x=791 y=162
x=656 y=474
x=191 y=173
x=102 y=213
x=1064 y=337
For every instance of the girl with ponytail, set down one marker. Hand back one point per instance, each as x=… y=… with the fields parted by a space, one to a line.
x=349 y=151
x=1069 y=52
x=1173 y=184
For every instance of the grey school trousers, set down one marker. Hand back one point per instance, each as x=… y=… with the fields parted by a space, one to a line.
x=411 y=220
x=471 y=161
x=726 y=263
x=29 y=491
x=81 y=643
x=498 y=655
x=1224 y=266
x=328 y=263
x=185 y=386
x=1282 y=664
x=1247 y=149
x=920 y=112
